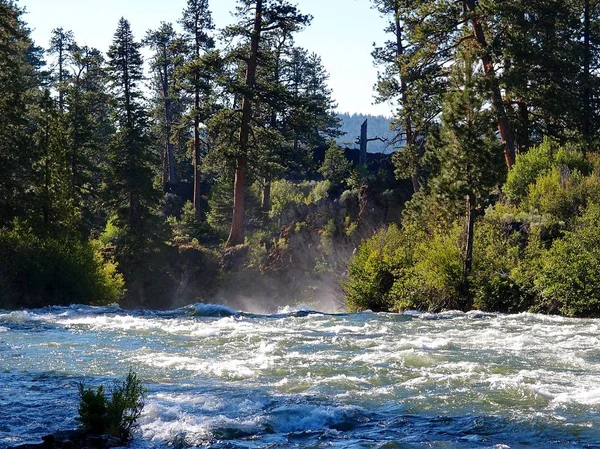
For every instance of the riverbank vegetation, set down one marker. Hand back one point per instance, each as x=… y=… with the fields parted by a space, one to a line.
x=502 y=145
x=217 y=175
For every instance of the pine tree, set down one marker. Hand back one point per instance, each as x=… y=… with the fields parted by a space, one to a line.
x=168 y=52
x=197 y=24
x=470 y=162
x=90 y=128
x=60 y=47
x=131 y=193
x=257 y=19
x=19 y=81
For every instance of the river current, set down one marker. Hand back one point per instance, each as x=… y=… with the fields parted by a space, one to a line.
x=301 y=379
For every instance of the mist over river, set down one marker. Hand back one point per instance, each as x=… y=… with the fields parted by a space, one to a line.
x=225 y=379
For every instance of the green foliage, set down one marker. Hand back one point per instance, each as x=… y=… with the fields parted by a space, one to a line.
x=284 y=193
x=569 y=277
x=497 y=253
x=432 y=282
x=117 y=415
x=257 y=248
x=188 y=227
x=55 y=270
x=374 y=269
x=336 y=167
x=538 y=161
x=220 y=206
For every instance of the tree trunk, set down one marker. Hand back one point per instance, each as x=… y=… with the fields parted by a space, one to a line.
x=504 y=127
x=468 y=254
x=236 y=234
x=169 y=124
x=363 y=143
x=266 y=199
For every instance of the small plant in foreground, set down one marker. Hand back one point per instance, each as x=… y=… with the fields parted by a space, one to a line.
x=117 y=415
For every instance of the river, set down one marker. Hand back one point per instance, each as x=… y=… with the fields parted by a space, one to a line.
x=301 y=379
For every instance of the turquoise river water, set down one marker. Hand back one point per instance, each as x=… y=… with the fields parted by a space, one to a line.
x=302 y=379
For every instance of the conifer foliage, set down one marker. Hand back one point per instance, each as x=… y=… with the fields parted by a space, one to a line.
x=130 y=187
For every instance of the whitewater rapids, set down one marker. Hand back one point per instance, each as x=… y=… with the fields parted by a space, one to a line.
x=221 y=378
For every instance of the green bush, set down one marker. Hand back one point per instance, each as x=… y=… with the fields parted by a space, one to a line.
x=496 y=254
x=539 y=161
x=374 y=268
x=433 y=282
x=335 y=167
x=60 y=270
x=283 y=194
x=568 y=281
x=117 y=415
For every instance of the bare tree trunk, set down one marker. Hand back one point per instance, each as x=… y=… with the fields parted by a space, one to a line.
x=468 y=254
x=236 y=234
x=504 y=127
x=363 y=142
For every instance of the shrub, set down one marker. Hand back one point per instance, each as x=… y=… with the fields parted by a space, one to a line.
x=496 y=255
x=374 y=268
x=433 y=282
x=117 y=415
x=283 y=194
x=188 y=227
x=538 y=161
x=335 y=167
x=569 y=277
x=55 y=270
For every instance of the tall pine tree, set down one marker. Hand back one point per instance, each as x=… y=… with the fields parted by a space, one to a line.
x=130 y=190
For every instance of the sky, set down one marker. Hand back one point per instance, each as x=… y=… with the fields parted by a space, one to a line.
x=342 y=33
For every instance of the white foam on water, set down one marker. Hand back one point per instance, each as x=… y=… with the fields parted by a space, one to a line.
x=4 y=329
x=286 y=310
x=19 y=317
x=300 y=418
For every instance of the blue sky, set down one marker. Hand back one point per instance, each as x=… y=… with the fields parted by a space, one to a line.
x=342 y=33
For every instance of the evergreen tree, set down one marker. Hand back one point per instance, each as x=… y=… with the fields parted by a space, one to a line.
x=60 y=47
x=90 y=128
x=19 y=81
x=130 y=189
x=258 y=20
x=197 y=24
x=468 y=154
x=168 y=52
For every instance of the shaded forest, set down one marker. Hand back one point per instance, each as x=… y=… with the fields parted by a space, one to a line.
x=224 y=178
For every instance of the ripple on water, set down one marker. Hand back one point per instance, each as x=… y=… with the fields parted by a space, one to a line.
x=299 y=378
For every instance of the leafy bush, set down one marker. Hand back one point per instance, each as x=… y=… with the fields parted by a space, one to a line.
x=497 y=251
x=568 y=281
x=374 y=269
x=283 y=194
x=433 y=281
x=116 y=415
x=55 y=270
x=539 y=161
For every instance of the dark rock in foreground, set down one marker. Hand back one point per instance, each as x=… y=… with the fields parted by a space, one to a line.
x=73 y=439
